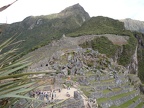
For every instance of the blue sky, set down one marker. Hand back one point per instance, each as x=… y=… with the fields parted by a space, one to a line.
x=117 y=9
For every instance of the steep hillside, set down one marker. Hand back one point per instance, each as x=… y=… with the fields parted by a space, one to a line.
x=103 y=25
x=140 y=51
x=40 y=56
x=133 y=25
x=40 y=30
x=100 y=25
x=138 y=29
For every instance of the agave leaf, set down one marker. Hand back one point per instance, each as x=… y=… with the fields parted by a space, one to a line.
x=13 y=70
x=2 y=56
x=5 y=84
x=11 y=102
x=18 y=96
x=16 y=84
x=13 y=65
x=22 y=90
x=5 y=43
x=9 y=61
x=14 y=88
x=22 y=74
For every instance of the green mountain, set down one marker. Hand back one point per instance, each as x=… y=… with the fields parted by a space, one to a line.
x=100 y=25
x=37 y=31
x=102 y=56
x=104 y=25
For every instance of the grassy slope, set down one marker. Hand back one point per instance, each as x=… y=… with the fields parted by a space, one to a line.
x=100 y=25
x=103 y=45
x=104 y=25
x=41 y=34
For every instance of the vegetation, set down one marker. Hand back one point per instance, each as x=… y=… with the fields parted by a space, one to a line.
x=13 y=85
x=100 y=25
x=103 y=45
x=140 y=38
x=104 y=25
x=128 y=51
x=39 y=31
x=140 y=105
x=128 y=103
x=121 y=95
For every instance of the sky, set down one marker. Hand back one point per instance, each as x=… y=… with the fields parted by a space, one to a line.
x=116 y=9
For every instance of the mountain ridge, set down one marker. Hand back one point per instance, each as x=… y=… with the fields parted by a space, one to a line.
x=40 y=30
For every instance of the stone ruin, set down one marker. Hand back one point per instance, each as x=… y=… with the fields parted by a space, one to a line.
x=94 y=71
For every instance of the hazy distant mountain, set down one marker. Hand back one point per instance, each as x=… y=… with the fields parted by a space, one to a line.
x=134 y=25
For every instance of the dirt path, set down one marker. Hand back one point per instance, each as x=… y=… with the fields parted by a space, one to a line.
x=62 y=94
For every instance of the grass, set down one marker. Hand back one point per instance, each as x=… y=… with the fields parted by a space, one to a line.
x=109 y=80
x=121 y=95
x=114 y=106
x=140 y=105
x=99 y=25
x=74 y=79
x=116 y=89
x=101 y=100
x=103 y=45
x=87 y=93
x=106 y=91
x=90 y=74
x=93 y=81
x=128 y=103
x=125 y=105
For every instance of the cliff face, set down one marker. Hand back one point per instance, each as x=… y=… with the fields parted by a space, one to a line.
x=133 y=66
x=140 y=54
x=137 y=27
x=133 y=25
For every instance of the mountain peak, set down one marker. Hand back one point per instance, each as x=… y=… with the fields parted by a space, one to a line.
x=76 y=9
x=76 y=6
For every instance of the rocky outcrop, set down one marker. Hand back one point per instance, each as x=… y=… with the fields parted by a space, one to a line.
x=133 y=25
x=76 y=9
x=133 y=66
